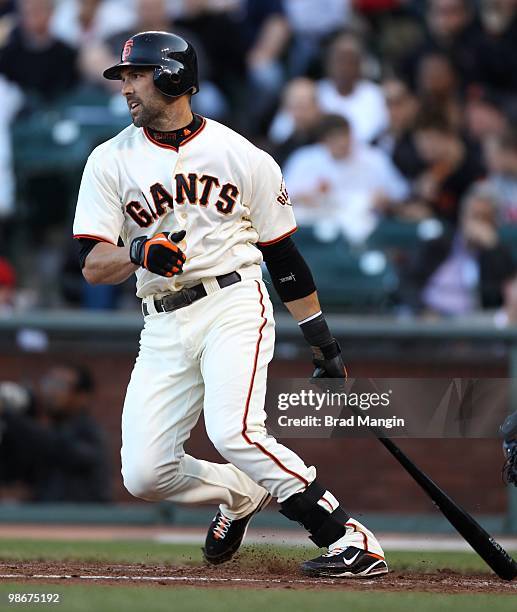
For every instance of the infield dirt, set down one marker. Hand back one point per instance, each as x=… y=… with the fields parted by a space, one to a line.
x=267 y=573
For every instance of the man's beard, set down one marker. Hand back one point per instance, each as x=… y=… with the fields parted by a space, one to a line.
x=145 y=117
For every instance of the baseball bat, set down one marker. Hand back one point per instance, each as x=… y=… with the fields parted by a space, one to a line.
x=481 y=541
x=494 y=555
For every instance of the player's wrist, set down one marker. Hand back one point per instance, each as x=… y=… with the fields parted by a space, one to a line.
x=317 y=333
x=136 y=250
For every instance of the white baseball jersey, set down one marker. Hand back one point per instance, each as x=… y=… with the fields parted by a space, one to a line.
x=227 y=195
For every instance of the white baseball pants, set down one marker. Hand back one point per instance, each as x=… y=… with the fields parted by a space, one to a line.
x=211 y=355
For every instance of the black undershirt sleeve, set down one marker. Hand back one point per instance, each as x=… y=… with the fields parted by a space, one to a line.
x=85 y=248
x=289 y=272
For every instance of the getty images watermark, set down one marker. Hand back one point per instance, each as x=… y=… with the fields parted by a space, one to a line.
x=413 y=408
x=309 y=398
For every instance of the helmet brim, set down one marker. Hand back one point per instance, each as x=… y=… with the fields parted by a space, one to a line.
x=114 y=72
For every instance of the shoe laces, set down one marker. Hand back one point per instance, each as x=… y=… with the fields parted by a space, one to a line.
x=221 y=527
x=335 y=551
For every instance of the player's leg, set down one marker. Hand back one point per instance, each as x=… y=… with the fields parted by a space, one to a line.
x=234 y=366
x=163 y=403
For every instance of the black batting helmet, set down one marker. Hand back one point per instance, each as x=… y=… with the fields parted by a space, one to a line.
x=173 y=58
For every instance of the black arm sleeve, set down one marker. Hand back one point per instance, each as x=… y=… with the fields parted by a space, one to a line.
x=289 y=272
x=86 y=245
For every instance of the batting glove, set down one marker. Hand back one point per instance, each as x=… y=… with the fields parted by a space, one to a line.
x=159 y=254
x=328 y=362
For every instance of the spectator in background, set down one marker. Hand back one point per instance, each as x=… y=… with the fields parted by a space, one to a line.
x=344 y=91
x=450 y=169
x=452 y=29
x=68 y=461
x=460 y=272
x=7 y=287
x=507 y=315
x=342 y=180
x=312 y=23
x=497 y=55
x=33 y=59
x=437 y=87
x=12 y=101
x=80 y=22
x=256 y=34
x=397 y=140
x=296 y=124
x=501 y=182
x=484 y=115
x=152 y=15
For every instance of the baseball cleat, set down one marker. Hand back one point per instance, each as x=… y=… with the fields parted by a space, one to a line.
x=225 y=535
x=357 y=554
x=351 y=562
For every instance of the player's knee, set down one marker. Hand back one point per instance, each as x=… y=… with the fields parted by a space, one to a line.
x=144 y=482
x=228 y=441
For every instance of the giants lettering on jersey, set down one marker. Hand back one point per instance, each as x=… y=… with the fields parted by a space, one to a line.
x=191 y=189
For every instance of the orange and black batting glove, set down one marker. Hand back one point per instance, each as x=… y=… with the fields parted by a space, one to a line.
x=159 y=254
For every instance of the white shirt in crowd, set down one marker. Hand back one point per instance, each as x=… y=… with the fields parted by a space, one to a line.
x=365 y=108
x=317 y=18
x=343 y=189
x=112 y=16
x=12 y=100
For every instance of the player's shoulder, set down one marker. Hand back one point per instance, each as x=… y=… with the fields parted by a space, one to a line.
x=121 y=141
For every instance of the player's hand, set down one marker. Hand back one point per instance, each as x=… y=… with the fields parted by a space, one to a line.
x=328 y=362
x=159 y=254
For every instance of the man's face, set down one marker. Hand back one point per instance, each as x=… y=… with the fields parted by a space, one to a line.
x=35 y=16
x=478 y=210
x=58 y=390
x=436 y=76
x=302 y=104
x=402 y=106
x=146 y=104
x=447 y=17
x=344 y=61
x=338 y=143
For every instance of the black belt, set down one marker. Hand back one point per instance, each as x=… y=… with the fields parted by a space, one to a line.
x=189 y=295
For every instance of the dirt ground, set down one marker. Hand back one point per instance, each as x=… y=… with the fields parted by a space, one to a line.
x=267 y=573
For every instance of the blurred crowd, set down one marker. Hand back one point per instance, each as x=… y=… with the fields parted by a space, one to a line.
x=51 y=448
x=400 y=110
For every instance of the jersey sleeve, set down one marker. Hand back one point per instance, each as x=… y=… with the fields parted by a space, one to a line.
x=99 y=214
x=271 y=210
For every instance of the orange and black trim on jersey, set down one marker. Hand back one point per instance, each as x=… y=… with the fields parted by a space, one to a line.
x=244 y=431
x=92 y=237
x=184 y=141
x=269 y=242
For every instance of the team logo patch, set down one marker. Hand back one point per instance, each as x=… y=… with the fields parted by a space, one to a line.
x=283 y=197
x=126 y=51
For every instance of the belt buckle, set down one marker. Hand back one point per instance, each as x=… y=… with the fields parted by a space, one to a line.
x=159 y=305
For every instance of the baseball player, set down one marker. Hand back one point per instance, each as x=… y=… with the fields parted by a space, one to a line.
x=193 y=208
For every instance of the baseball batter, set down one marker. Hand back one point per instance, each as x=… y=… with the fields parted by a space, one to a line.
x=192 y=208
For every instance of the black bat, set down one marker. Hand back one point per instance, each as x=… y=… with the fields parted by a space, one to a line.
x=494 y=555
x=481 y=541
